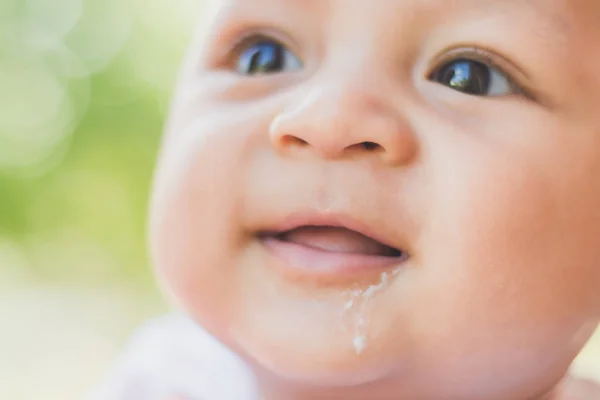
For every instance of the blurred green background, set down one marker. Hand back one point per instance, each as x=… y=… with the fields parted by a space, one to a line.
x=84 y=89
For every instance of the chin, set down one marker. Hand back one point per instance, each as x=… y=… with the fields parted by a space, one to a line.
x=328 y=366
x=309 y=343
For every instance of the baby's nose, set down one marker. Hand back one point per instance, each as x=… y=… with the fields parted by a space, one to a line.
x=349 y=119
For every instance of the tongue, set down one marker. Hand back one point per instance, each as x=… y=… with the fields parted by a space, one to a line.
x=337 y=240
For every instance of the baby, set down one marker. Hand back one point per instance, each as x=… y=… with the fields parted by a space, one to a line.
x=388 y=199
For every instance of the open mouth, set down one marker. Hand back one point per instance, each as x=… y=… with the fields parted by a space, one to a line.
x=335 y=239
x=331 y=250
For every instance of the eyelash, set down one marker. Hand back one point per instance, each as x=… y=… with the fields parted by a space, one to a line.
x=233 y=51
x=486 y=57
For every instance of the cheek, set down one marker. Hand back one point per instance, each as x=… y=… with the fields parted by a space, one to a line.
x=194 y=231
x=513 y=253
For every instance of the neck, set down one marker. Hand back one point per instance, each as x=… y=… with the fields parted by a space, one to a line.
x=275 y=388
x=272 y=389
x=350 y=394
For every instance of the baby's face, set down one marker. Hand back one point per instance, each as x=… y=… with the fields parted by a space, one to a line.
x=353 y=191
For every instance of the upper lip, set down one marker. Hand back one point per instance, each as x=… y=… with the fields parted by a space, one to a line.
x=317 y=219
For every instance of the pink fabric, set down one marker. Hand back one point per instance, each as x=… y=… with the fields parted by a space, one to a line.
x=172 y=358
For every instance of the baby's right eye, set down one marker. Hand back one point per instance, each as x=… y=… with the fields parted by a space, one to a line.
x=266 y=56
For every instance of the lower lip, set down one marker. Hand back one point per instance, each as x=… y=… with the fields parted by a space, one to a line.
x=308 y=260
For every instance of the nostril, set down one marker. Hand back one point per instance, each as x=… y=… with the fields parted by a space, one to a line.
x=370 y=145
x=293 y=140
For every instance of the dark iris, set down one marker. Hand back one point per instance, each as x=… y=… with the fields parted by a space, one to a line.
x=265 y=57
x=466 y=76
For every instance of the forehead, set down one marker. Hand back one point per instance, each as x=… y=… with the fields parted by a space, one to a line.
x=562 y=26
x=560 y=34
x=561 y=12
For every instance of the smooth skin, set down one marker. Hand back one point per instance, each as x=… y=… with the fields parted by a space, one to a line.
x=492 y=191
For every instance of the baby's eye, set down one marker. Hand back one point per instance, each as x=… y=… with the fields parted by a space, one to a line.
x=266 y=56
x=473 y=78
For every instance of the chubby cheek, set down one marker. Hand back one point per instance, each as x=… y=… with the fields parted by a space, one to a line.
x=196 y=200
x=514 y=268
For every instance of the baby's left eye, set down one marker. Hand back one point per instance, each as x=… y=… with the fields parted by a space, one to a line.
x=473 y=78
